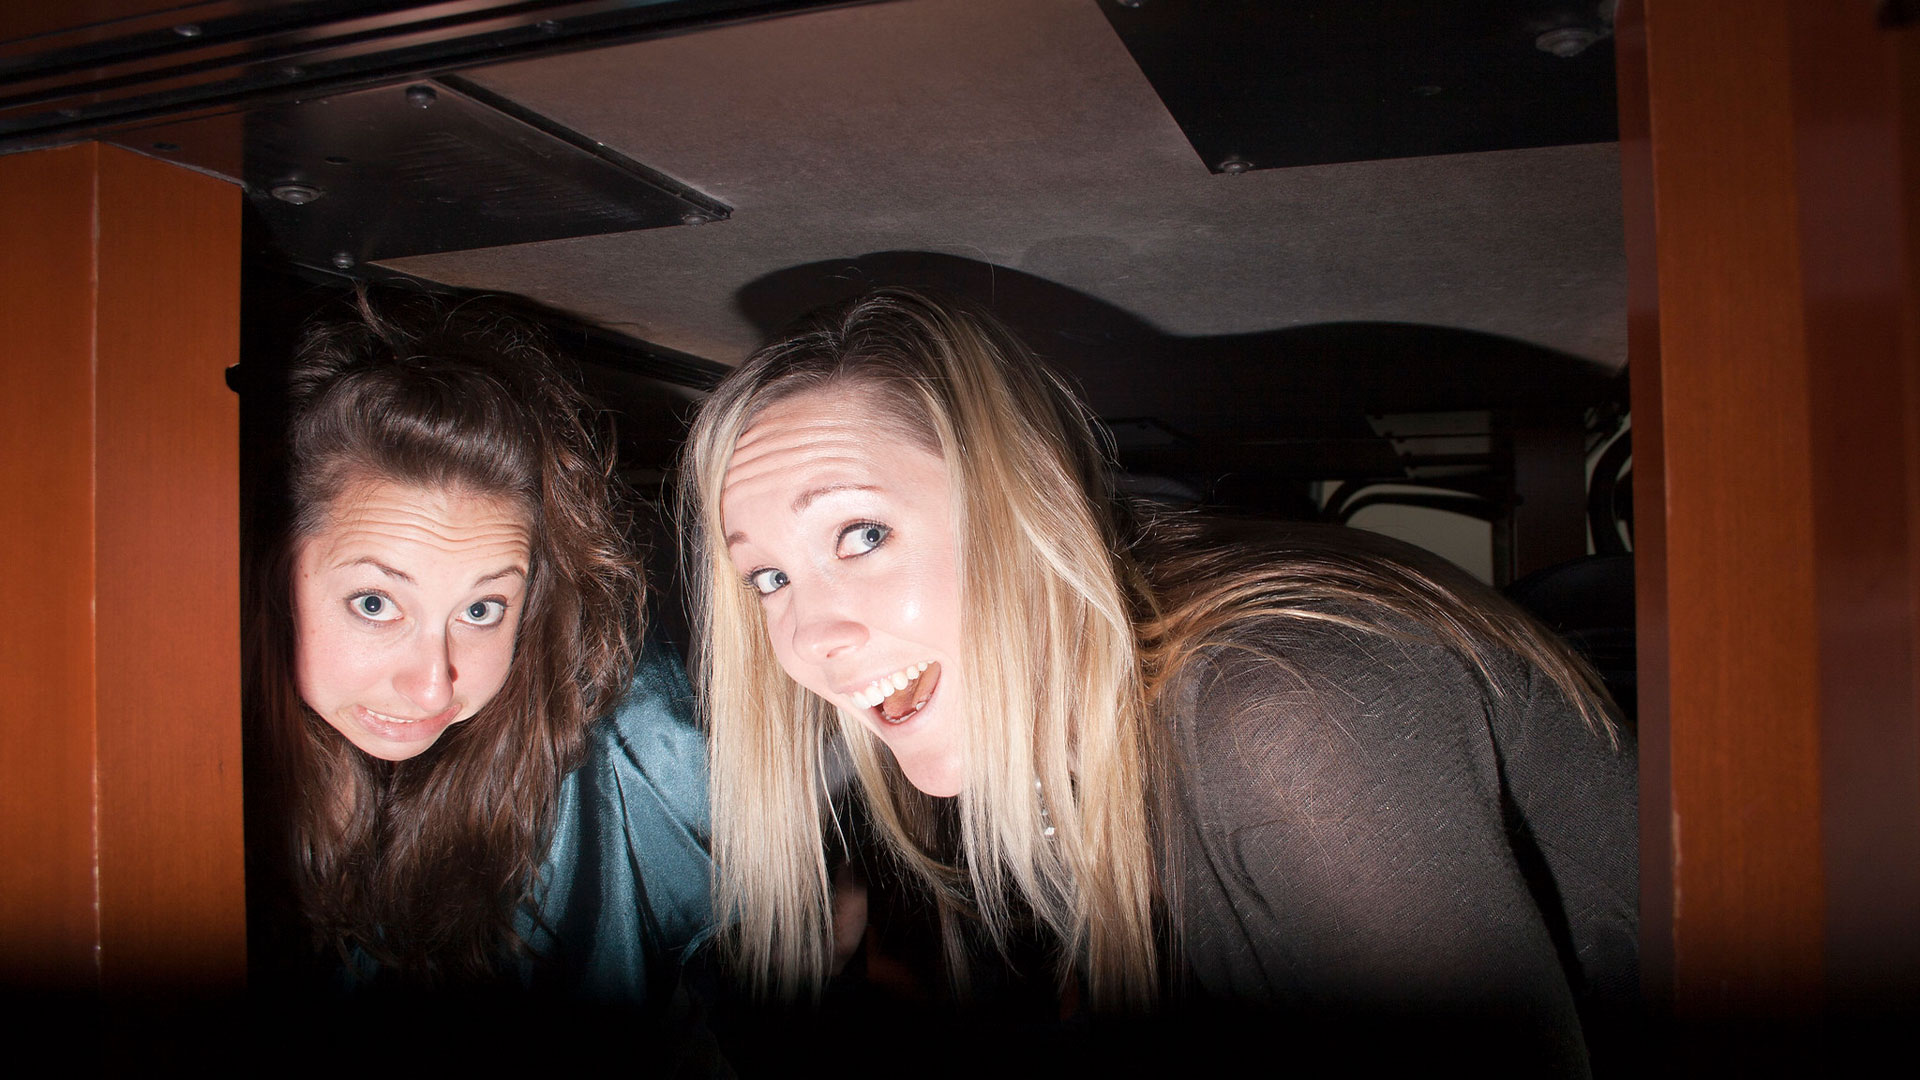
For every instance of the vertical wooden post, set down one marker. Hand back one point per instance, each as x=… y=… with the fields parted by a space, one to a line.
x=1855 y=194
x=1650 y=525
x=120 y=820
x=1769 y=159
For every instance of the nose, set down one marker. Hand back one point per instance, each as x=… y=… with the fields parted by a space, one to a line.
x=824 y=630
x=425 y=675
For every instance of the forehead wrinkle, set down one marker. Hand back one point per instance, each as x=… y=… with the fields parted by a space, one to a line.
x=387 y=516
x=502 y=538
x=822 y=438
x=815 y=442
x=816 y=456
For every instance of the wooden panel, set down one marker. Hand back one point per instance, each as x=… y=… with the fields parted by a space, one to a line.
x=1745 y=846
x=167 y=541
x=1908 y=47
x=1771 y=199
x=120 y=841
x=47 y=924
x=1850 y=192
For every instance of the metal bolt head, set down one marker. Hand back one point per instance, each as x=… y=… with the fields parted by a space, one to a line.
x=343 y=260
x=421 y=97
x=694 y=217
x=1566 y=42
x=292 y=191
x=1235 y=165
x=188 y=30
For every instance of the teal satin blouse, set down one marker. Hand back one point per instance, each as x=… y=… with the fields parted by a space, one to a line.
x=623 y=891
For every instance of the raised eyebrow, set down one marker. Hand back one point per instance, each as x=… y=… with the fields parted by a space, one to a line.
x=368 y=560
x=510 y=571
x=805 y=498
x=802 y=501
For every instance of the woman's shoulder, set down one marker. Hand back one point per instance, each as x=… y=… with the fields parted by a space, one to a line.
x=656 y=705
x=626 y=873
x=1324 y=681
x=651 y=737
x=1344 y=621
x=1343 y=695
x=1349 y=648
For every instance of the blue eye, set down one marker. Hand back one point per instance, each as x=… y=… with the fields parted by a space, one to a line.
x=860 y=538
x=485 y=612
x=768 y=581
x=374 y=607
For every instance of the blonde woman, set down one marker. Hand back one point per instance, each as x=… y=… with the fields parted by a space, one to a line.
x=1228 y=779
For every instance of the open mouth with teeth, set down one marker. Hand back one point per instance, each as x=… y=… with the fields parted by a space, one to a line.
x=901 y=695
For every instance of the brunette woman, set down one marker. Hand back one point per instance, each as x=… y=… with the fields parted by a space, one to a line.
x=472 y=775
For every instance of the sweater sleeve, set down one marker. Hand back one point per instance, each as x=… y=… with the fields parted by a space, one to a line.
x=1350 y=841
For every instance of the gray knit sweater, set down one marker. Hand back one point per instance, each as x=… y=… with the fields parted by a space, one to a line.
x=1373 y=841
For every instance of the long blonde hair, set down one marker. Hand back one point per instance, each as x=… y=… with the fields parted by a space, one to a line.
x=1067 y=643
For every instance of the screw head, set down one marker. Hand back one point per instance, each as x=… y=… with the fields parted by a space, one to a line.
x=343 y=260
x=1566 y=42
x=694 y=217
x=421 y=97
x=1235 y=165
x=1131 y=3
x=294 y=192
x=187 y=30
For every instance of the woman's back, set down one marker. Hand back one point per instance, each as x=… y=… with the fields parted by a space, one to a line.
x=1367 y=824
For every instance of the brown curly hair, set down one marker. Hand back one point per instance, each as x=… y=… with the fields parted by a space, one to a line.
x=421 y=864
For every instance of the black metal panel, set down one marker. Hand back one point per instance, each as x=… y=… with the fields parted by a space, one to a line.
x=219 y=55
x=422 y=168
x=1279 y=83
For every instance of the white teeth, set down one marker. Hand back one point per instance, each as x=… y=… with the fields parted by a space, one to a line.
x=878 y=690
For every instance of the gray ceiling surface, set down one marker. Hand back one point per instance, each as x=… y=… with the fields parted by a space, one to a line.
x=1021 y=133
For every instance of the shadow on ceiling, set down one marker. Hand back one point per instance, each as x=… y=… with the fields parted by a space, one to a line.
x=1291 y=381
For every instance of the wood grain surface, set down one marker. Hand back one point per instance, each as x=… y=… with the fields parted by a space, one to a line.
x=122 y=829
x=1770 y=171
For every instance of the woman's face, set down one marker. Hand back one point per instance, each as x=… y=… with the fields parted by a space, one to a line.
x=843 y=528
x=405 y=606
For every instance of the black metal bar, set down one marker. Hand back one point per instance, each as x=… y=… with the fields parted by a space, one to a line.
x=180 y=31
x=275 y=73
x=283 y=44
x=716 y=210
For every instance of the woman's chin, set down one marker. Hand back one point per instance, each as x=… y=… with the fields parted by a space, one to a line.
x=942 y=775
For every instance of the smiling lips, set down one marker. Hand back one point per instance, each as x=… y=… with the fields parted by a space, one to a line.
x=402 y=730
x=900 y=695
